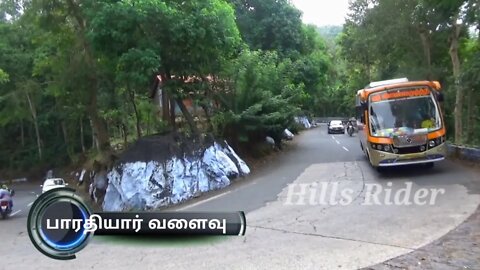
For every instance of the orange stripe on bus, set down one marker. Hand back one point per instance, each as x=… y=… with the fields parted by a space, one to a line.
x=401 y=94
x=437 y=134
x=383 y=140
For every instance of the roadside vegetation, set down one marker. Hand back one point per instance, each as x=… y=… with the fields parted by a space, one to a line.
x=419 y=39
x=76 y=77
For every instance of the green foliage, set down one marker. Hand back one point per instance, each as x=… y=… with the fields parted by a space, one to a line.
x=76 y=76
x=270 y=25
x=262 y=101
x=3 y=77
x=415 y=41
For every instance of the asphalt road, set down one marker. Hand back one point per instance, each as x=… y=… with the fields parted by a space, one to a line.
x=287 y=230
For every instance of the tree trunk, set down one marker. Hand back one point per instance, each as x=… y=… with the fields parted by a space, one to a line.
x=137 y=116
x=457 y=85
x=188 y=117
x=173 y=114
x=205 y=105
x=94 y=137
x=97 y=122
x=426 y=50
x=64 y=132
x=82 y=141
x=125 y=135
x=207 y=116
x=35 y=123
x=165 y=100
x=470 y=116
x=22 y=133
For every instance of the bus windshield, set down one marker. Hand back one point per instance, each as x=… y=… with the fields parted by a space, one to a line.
x=402 y=116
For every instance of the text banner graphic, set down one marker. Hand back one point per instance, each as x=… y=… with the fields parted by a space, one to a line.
x=166 y=223
x=60 y=224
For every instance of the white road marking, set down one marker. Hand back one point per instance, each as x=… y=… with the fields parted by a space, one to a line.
x=30 y=204
x=16 y=212
x=333 y=137
x=337 y=142
x=344 y=148
x=204 y=201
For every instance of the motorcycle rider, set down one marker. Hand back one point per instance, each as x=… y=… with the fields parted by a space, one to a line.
x=6 y=195
x=350 y=126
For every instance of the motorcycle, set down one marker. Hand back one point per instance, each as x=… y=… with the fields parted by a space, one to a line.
x=6 y=204
x=350 y=130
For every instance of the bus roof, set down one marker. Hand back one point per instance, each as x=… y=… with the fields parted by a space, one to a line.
x=387 y=82
x=391 y=84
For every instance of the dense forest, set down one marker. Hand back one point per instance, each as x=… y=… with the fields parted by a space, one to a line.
x=76 y=77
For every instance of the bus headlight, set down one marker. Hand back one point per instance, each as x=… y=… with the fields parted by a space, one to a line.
x=436 y=142
x=382 y=147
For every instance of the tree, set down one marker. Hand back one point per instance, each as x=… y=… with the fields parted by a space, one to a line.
x=70 y=16
x=259 y=101
x=186 y=39
x=453 y=16
x=270 y=25
x=424 y=40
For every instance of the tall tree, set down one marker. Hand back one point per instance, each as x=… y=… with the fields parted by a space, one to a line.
x=270 y=25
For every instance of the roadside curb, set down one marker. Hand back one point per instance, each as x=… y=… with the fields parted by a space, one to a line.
x=463 y=152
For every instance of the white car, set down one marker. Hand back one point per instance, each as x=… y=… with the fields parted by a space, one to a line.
x=336 y=126
x=52 y=183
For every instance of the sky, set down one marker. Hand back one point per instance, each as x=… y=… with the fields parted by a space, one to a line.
x=323 y=12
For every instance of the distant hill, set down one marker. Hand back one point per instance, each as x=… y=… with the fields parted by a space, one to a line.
x=330 y=32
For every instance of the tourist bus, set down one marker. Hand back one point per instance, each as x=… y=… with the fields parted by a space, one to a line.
x=400 y=122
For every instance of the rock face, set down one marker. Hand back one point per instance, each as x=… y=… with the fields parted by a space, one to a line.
x=144 y=185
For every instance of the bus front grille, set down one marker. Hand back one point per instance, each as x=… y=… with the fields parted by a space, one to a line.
x=410 y=150
x=409 y=141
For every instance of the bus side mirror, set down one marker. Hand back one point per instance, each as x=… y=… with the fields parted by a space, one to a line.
x=440 y=97
x=364 y=106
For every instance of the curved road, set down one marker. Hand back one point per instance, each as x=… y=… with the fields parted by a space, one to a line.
x=317 y=206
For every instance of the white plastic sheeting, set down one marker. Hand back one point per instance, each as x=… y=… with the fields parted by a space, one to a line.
x=149 y=185
x=288 y=134
x=302 y=120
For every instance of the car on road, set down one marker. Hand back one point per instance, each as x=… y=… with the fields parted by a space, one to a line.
x=53 y=183
x=336 y=126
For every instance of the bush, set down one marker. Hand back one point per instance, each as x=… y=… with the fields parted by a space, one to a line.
x=262 y=100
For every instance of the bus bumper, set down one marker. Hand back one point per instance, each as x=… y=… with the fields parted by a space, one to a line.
x=385 y=159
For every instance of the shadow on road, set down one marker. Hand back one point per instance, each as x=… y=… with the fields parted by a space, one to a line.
x=389 y=173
